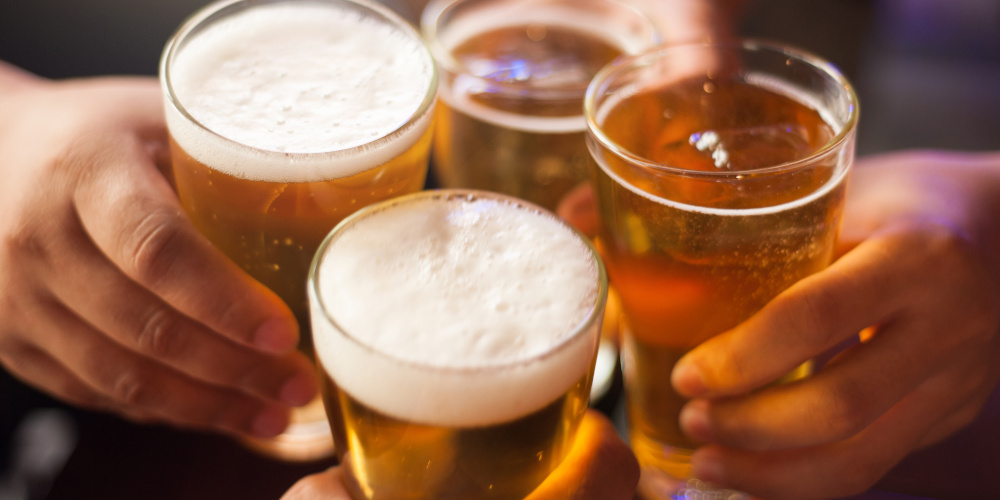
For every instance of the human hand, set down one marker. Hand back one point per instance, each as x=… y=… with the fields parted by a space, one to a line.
x=110 y=299
x=919 y=277
x=599 y=467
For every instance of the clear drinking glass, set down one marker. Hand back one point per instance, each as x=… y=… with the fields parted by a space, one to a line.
x=720 y=177
x=456 y=331
x=514 y=73
x=286 y=116
x=510 y=114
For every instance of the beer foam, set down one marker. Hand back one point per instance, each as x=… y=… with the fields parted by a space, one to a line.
x=463 y=311
x=297 y=87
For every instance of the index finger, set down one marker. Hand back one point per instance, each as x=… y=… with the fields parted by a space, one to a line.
x=134 y=217
x=863 y=288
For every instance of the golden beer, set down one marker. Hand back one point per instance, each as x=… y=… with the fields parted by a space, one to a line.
x=457 y=332
x=716 y=192
x=510 y=115
x=285 y=117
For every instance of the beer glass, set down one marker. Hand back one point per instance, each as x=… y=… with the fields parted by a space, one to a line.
x=457 y=332
x=514 y=72
x=286 y=116
x=720 y=177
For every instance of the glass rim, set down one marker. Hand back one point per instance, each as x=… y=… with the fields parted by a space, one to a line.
x=221 y=9
x=579 y=330
x=817 y=63
x=430 y=26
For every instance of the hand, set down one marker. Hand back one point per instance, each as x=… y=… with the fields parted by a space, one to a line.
x=110 y=299
x=599 y=467
x=920 y=279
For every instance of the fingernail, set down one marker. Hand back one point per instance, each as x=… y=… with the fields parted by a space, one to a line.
x=276 y=335
x=694 y=421
x=269 y=423
x=298 y=390
x=687 y=380
x=706 y=465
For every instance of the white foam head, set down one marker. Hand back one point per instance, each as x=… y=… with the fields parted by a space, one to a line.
x=299 y=90
x=457 y=311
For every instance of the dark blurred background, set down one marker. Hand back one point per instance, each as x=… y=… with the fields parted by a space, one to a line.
x=927 y=73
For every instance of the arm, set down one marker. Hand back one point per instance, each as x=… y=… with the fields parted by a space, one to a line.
x=109 y=297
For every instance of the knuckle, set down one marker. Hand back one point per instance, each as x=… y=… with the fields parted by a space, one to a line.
x=846 y=410
x=153 y=245
x=744 y=433
x=729 y=371
x=231 y=318
x=244 y=376
x=131 y=388
x=226 y=412
x=819 y=317
x=160 y=334
x=23 y=240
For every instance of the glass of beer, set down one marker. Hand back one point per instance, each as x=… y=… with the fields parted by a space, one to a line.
x=720 y=177
x=513 y=77
x=457 y=332
x=285 y=117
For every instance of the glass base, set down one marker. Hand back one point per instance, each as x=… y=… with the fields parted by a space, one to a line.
x=666 y=474
x=307 y=438
x=655 y=485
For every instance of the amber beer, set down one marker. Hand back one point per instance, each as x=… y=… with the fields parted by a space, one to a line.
x=285 y=117
x=458 y=331
x=717 y=190
x=510 y=118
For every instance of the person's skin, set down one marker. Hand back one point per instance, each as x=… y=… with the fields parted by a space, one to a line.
x=599 y=467
x=112 y=301
x=918 y=280
x=110 y=298
x=920 y=277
